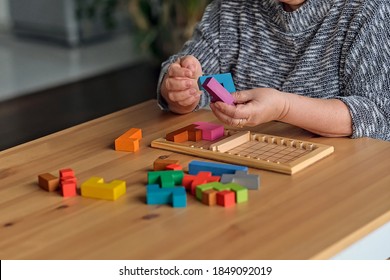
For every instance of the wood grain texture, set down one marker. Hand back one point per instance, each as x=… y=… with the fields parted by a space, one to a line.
x=312 y=214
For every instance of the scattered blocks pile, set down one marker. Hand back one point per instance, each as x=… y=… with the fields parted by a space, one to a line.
x=92 y=188
x=202 y=181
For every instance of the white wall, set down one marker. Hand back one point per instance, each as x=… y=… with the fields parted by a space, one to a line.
x=4 y=15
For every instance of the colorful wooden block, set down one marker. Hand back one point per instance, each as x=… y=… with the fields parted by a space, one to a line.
x=95 y=187
x=174 y=167
x=161 y=164
x=179 y=197
x=156 y=195
x=189 y=132
x=250 y=181
x=48 y=182
x=190 y=182
x=208 y=186
x=210 y=131
x=226 y=198
x=217 y=91
x=66 y=172
x=209 y=197
x=166 y=179
x=68 y=189
x=225 y=79
x=129 y=141
x=241 y=193
x=217 y=169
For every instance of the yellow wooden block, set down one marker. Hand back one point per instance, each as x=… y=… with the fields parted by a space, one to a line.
x=96 y=188
x=129 y=141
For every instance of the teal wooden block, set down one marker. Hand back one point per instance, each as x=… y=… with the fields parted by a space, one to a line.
x=225 y=79
x=179 y=197
x=156 y=195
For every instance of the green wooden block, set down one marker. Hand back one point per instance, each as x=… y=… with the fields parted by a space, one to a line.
x=241 y=192
x=204 y=187
x=166 y=178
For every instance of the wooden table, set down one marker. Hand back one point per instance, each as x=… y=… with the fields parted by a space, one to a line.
x=313 y=214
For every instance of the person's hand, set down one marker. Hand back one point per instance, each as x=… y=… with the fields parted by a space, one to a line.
x=180 y=85
x=252 y=107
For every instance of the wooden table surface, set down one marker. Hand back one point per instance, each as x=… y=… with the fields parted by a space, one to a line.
x=313 y=214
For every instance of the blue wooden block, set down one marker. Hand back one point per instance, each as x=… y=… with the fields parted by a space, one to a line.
x=156 y=195
x=179 y=197
x=217 y=169
x=225 y=79
x=250 y=181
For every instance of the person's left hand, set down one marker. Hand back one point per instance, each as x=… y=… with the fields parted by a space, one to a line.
x=252 y=107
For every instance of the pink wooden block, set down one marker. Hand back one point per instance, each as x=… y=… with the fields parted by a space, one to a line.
x=210 y=131
x=217 y=91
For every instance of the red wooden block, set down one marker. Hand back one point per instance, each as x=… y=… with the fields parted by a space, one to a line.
x=66 y=172
x=226 y=198
x=174 y=167
x=190 y=182
x=68 y=189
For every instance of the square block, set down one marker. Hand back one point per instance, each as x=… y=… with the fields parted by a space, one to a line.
x=179 y=197
x=209 y=197
x=226 y=198
x=68 y=189
x=48 y=182
x=66 y=172
x=241 y=192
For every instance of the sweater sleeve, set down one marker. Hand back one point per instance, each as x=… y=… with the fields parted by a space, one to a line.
x=367 y=76
x=204 y=45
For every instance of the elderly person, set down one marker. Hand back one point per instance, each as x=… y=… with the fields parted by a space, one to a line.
x=322 y=65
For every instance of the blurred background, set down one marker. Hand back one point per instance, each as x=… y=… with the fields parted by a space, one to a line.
x=64 y=62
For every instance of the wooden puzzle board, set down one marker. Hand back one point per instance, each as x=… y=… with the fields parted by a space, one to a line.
x=284 y=155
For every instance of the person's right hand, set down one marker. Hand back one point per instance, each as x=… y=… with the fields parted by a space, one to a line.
x=180 y=85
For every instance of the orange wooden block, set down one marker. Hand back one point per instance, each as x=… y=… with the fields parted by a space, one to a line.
x=129 y=141
x=48 y=182
x=190 y=132
x=209 y=197
x=161 y=164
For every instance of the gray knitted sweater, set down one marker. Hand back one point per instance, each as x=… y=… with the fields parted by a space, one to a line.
x=325 y=49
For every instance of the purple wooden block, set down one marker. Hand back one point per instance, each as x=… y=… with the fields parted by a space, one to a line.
x=217 y=91
x=210 y=131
